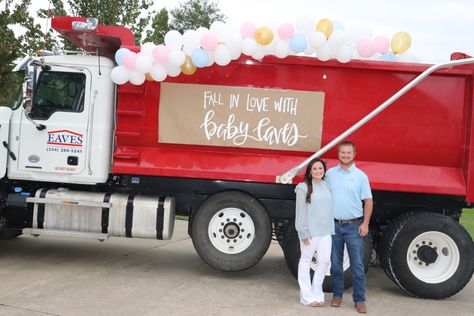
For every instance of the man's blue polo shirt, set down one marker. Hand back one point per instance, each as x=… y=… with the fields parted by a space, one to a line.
x=348 y=188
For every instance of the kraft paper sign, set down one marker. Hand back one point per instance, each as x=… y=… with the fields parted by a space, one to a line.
x=212 y=115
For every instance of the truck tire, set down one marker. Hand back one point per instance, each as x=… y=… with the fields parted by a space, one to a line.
x=427 y=255
x=10 y=234
x=291 y=250
x=231 y=231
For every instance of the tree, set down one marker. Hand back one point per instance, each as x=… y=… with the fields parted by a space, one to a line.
x=51 y=38
x=130 y=13
x=14 y=46
x=159 y=27
x=193 y=14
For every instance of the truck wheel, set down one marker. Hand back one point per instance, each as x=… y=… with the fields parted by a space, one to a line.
x=231 y=231
x=291 y=250
x=427 y=255
x=10 y=234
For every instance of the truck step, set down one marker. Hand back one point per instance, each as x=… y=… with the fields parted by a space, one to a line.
x=64 y=233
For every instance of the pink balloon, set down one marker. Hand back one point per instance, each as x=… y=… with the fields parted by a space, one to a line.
x=366 y=47
x=286 y=31
x=160 y=54
x=209 y=42
x=382 y=43
x=129 y=60
x=248 y=30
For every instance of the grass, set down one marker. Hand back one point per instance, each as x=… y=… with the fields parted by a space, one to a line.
x=467 y=220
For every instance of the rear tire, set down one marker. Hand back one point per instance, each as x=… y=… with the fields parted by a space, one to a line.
x=291 y=250
x=427 y=255
x=231 y=231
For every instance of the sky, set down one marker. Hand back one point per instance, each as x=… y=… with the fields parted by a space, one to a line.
x=437 y=27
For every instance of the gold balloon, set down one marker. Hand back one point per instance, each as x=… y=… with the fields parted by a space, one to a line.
x=148 y=77
x=401 y=42
x=263 y=35
x=325 y=26
x=188 y=67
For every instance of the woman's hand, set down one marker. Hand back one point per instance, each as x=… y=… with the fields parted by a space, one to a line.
x=306 y=241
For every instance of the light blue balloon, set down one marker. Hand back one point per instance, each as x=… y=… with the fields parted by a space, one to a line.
x=200 y=58
x=337 y=25
x=298 y=43
x=388 y=57
x=119 y=55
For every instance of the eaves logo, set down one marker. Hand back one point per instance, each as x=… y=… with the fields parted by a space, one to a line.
x=65 y=138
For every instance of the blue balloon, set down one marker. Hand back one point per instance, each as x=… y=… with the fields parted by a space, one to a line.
x=200 y=58
x=388 y=57
x=119 y=55
x=298 y=43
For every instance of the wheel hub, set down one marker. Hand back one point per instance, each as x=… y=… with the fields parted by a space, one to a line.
x=231 y=230
x=427 y=254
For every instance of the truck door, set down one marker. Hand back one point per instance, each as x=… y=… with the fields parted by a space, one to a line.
x=59 y=146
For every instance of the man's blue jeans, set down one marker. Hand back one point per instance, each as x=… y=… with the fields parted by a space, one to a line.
x=348 y=234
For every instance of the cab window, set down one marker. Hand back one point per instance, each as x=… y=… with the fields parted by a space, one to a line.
x=58 y=92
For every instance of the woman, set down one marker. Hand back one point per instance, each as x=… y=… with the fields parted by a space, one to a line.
x=315 y=224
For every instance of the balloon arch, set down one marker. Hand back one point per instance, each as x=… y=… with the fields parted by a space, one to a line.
x=220 y=44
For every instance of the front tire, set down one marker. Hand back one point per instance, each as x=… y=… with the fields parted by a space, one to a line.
x=427 y=255
x=231 y=231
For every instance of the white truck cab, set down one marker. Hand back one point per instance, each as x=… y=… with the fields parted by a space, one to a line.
x=62 y=130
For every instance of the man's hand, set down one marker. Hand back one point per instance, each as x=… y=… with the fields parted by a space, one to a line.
x=306 y=241
x=363 y=229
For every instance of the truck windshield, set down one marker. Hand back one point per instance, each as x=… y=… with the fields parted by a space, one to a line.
x=58 y=92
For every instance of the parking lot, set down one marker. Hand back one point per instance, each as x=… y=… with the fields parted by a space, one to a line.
x=45 y=276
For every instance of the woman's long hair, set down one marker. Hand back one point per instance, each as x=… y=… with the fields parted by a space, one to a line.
x=308 y=179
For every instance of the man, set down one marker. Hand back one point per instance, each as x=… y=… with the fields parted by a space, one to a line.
x=349 y=187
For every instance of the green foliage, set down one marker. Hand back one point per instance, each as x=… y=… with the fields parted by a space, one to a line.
x=467 y=220
x=130 y=13
x=14 y=47
x=193 y=14
x=159 y=27
x=56 y=8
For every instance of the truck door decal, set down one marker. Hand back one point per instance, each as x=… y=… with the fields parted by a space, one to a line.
x=240 y=117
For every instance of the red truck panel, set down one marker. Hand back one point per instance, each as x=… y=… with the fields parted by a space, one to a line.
x=419 y=144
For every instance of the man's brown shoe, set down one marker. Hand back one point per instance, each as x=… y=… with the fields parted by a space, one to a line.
x=336 y=302
x=361 y=308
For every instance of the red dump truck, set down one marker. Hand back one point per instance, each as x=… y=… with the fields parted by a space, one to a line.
x=82 y=157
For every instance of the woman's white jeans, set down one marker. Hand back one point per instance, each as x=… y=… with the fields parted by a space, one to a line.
x=313 y=291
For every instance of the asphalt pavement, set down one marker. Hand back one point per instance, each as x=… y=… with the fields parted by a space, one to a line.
x=66 y=276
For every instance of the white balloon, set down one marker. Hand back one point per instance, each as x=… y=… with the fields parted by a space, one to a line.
x=281 y=49
x=120 y=75
x=211 y=59
x=158 y=73
x=259 y=52
x=317 y=39
x=270 y=48
x=191 y=40
x=235 y=51
x=324 y=53
x=249 y=45
x=174 y=39
x=173 y=71
x=344 y=53
x=147 y=48
x=337 y=39
x=305 y=24
x=309 y=50
x=144 y=63
x=219 y=29
x=137 y=77
x=202 y=30
x=222 y=55
x=176 y=57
